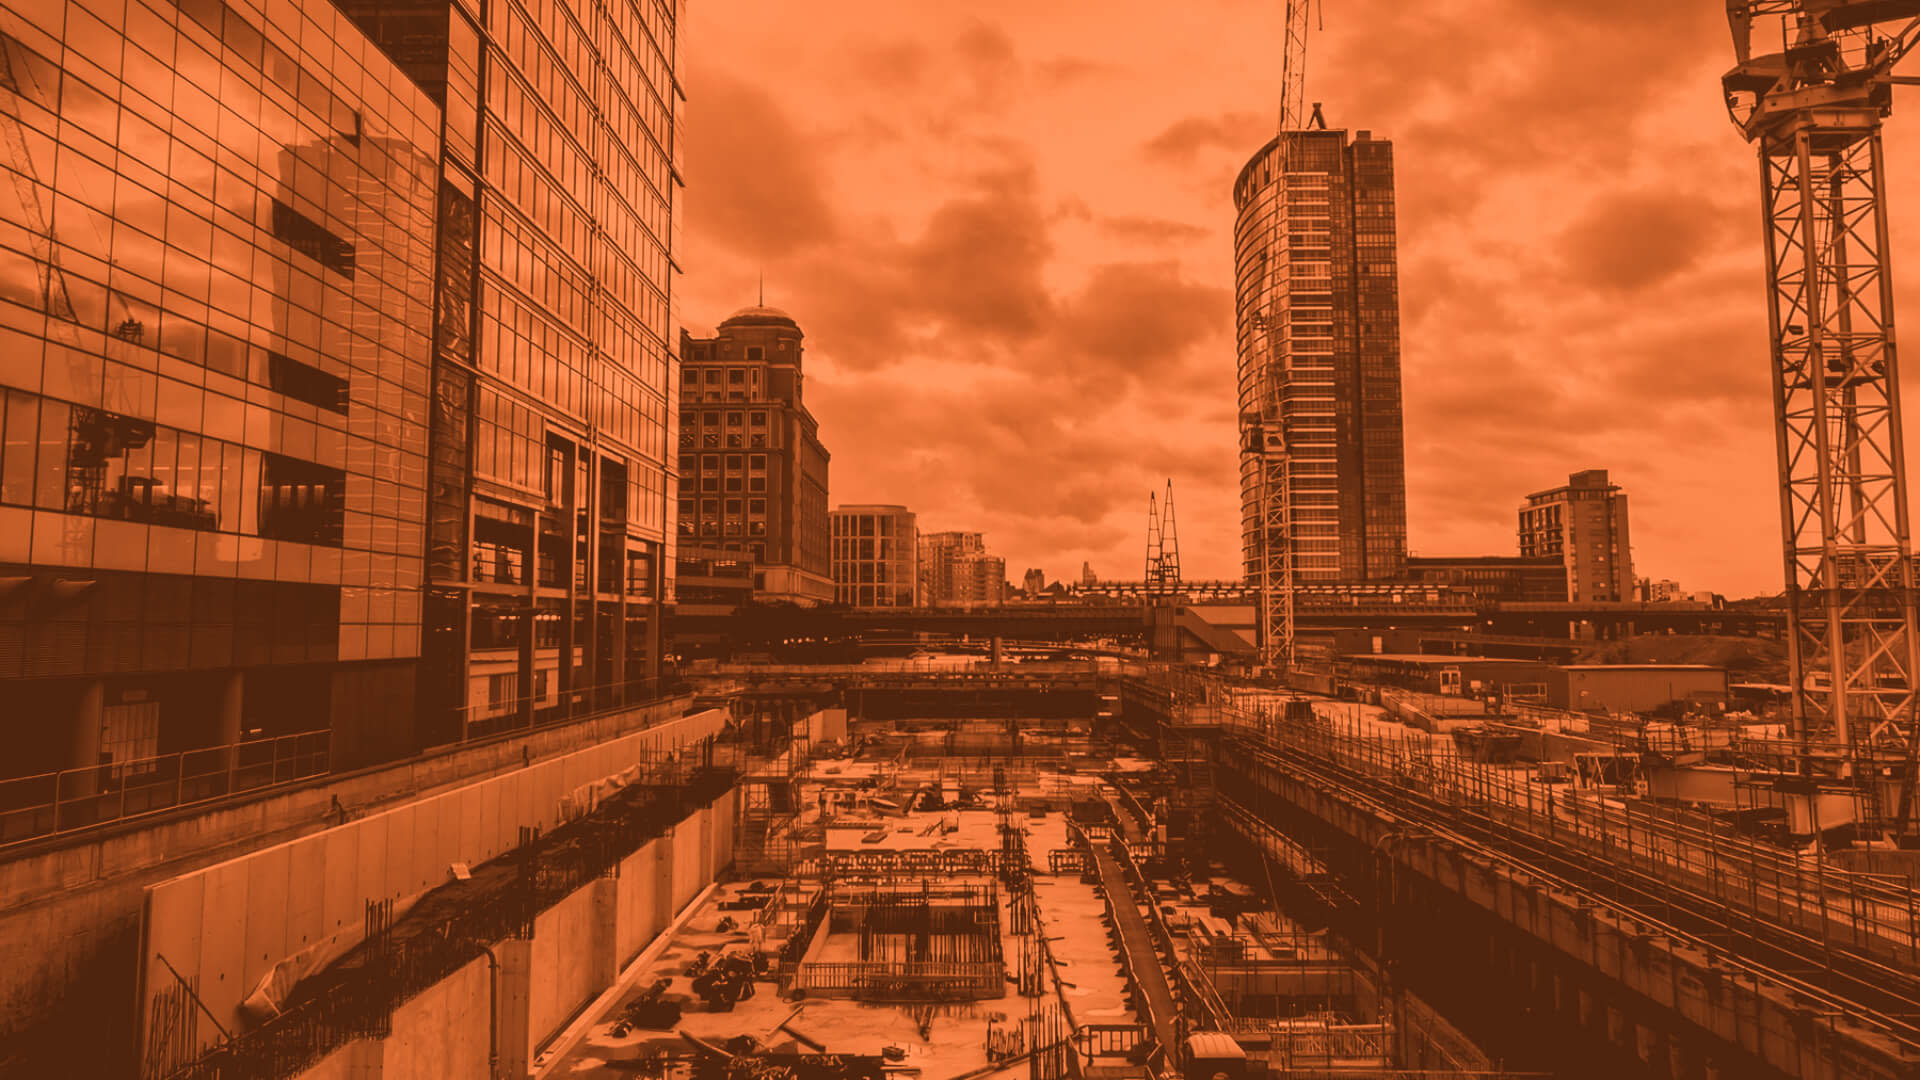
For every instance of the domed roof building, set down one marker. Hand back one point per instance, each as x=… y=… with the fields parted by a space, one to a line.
x=753 y=472
x=760 y=315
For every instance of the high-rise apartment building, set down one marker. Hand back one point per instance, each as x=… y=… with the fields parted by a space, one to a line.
x=957 y=571
x=548 y=559
x=875 y=556
x=755 y=471
x=1584 y=524
x=216 y=264
x=1322 y=318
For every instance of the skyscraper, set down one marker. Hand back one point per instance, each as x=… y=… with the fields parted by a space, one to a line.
x=215 y=266
x=1334 y=353
x=756 y=471
x=548 y=559
x=1584 y=523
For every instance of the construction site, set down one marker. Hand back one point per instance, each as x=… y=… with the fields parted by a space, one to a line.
x=1333 y=820
x=1011 y=901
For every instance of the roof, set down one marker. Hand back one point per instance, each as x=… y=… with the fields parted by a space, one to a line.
x=759 y=316
x=1214 y=1046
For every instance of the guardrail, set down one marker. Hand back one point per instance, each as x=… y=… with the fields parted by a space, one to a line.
x=49 y=803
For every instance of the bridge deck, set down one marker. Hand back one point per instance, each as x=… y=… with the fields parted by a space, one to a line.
x=1136 y=943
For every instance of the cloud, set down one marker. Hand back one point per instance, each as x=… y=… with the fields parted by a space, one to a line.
x=761 y=189
x=1152 y=231
x=1627 y=241
x=1007 y=231
x=1186 y=139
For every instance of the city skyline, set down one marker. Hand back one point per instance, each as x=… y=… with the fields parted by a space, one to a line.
x=1522 y=278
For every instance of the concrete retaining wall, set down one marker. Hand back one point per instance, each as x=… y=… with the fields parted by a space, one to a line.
x=70 y=931
x=578 y=947
x=227 y=925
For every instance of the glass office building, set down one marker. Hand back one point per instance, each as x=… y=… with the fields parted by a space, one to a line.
x=548 y=560
x=216 y=255
x=1324 y=322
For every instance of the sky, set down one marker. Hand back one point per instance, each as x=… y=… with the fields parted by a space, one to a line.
x=1005 y=228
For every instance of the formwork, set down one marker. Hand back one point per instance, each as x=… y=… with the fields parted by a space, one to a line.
x=897 y=926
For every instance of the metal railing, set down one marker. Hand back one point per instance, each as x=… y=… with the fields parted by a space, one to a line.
x=910 y=980
x=49 y=803
x=1841 y=940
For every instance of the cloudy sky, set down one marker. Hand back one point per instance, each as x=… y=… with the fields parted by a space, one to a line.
x=1005 y=227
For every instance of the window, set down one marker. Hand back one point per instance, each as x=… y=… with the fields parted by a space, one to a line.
x=129 y=733
x=733 y=462
x=502 y=692
x=300 y=500
x=755 y=355
x=312 y=239
x=495 y=626
x=304 y=382
x=733 y=507
x=756 y=506
x=757 y=462
x=737 y=376
x=733 y=419
x=757 y=419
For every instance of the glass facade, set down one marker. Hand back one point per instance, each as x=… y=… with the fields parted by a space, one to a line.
x=1321 y=314
x=875 y=556
x=552 y=360
x=215 y=256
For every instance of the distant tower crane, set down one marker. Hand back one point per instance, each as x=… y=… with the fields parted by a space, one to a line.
x=1262 y=425
x=1163 y=546
x=1815 y=108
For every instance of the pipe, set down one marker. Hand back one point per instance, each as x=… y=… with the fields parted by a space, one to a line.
x=493 y=1013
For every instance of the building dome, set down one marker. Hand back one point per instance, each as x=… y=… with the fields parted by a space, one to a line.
x=760 y=316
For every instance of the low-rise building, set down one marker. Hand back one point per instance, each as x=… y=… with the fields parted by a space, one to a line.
x=1631 y=688
x=875 y=556
x=1494 y=577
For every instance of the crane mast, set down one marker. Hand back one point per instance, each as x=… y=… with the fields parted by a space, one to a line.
x=1263 y=426
x=1814 y=110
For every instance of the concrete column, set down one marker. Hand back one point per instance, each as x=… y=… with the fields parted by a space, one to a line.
x=513 y=997
x=89 y=718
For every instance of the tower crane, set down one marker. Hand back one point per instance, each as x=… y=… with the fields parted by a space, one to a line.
x=1163 y=546
x=1814 y=109
x=1262 y=424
